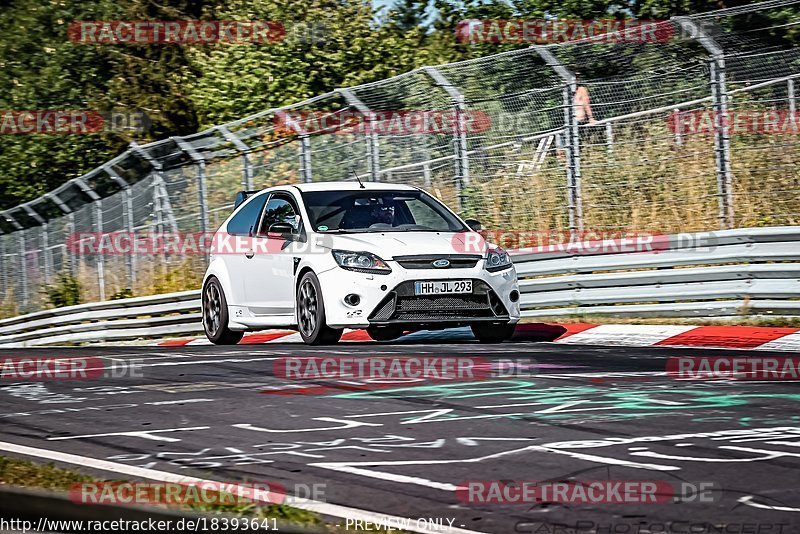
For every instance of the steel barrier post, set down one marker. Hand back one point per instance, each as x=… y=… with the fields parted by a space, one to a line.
x=100 y=262
x=23 y=269
x=373 y=148
x=73 y=266
x=200 y=163
x=460 y=136
x=572 y=145
x=244 y=150
x=719 y=94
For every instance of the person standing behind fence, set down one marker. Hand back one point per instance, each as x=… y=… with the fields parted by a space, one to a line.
x=582 y=107
x=582 y=103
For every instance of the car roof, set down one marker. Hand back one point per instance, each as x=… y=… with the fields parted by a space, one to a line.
x=351 y=186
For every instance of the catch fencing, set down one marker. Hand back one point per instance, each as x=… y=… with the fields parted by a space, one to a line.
x=657 y=155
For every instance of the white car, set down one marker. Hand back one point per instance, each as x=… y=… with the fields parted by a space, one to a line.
x=322 y=257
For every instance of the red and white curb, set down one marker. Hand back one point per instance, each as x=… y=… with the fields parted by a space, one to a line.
x=731 y=337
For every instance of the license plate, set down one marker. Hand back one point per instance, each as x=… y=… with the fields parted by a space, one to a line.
x=442 y=287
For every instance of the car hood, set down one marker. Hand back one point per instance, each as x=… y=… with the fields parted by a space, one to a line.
x=390 y=244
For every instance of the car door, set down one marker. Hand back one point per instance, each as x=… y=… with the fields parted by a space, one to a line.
x=240 y=228
x=272 y=264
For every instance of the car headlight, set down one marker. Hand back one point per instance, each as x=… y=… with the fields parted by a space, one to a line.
x=362 y=262
x=497 y=259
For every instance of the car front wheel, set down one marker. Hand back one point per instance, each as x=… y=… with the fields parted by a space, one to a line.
x=215 y=315
x=311 y=313
x=493 y=333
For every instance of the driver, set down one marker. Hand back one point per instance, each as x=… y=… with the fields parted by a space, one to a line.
x=383 y=213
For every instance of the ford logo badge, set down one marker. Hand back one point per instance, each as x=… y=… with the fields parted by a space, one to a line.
x=441 y=264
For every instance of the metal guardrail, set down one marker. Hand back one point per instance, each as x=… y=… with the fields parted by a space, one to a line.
x=730 y=273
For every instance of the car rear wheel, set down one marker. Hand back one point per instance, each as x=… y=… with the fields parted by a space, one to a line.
x=311 y=313
x=215 y=315
x=492 y=332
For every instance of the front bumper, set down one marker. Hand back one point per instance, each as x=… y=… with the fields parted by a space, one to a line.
x=389 y=299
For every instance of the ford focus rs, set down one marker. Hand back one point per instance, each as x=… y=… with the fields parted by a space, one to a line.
x=323 y=257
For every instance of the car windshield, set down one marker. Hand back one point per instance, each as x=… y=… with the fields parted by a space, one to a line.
x=378 y=211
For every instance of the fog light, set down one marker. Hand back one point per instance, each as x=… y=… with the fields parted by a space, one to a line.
x=514 y=296
x=352 y=299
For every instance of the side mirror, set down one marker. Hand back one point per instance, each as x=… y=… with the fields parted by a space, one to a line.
x=284 y=230
x=474 y=225
x=241 y=196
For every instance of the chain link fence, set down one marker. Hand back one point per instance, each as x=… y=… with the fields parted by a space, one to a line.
x=508 y=140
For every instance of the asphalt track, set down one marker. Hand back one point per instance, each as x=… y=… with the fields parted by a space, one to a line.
x=586 y=413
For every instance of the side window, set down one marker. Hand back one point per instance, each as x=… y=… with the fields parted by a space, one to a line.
x=246 y=219
x=280 y=209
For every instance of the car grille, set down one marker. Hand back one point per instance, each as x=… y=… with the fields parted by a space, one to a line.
x=402 y=305
x=457 y=261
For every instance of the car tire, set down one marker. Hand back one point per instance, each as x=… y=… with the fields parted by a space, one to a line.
x=215 y=315
x=311 y=313
x=384 y=333
x=492 y=332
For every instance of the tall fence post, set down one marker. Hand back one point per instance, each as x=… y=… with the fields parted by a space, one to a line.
x=161 y=204
x=129 y=226
x=609 y=141
x=572 y=144
x=305 y=158
x=23 y=269
x=304 y=152
x=460 y=137
x=127 y=219
x=73 y=264
x=790 y=94
x=43 y=223
x=244 y=150
x=719 y=95
x=373 y=147
x=200 y=164
x=101 y=268
x=158 y=215
x=46 y=254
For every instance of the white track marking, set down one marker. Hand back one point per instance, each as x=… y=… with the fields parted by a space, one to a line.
x=355 y=469
x=146 y=434
x=789 y=343
x=626 y=334
x=333 y=510
x=748 y=500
